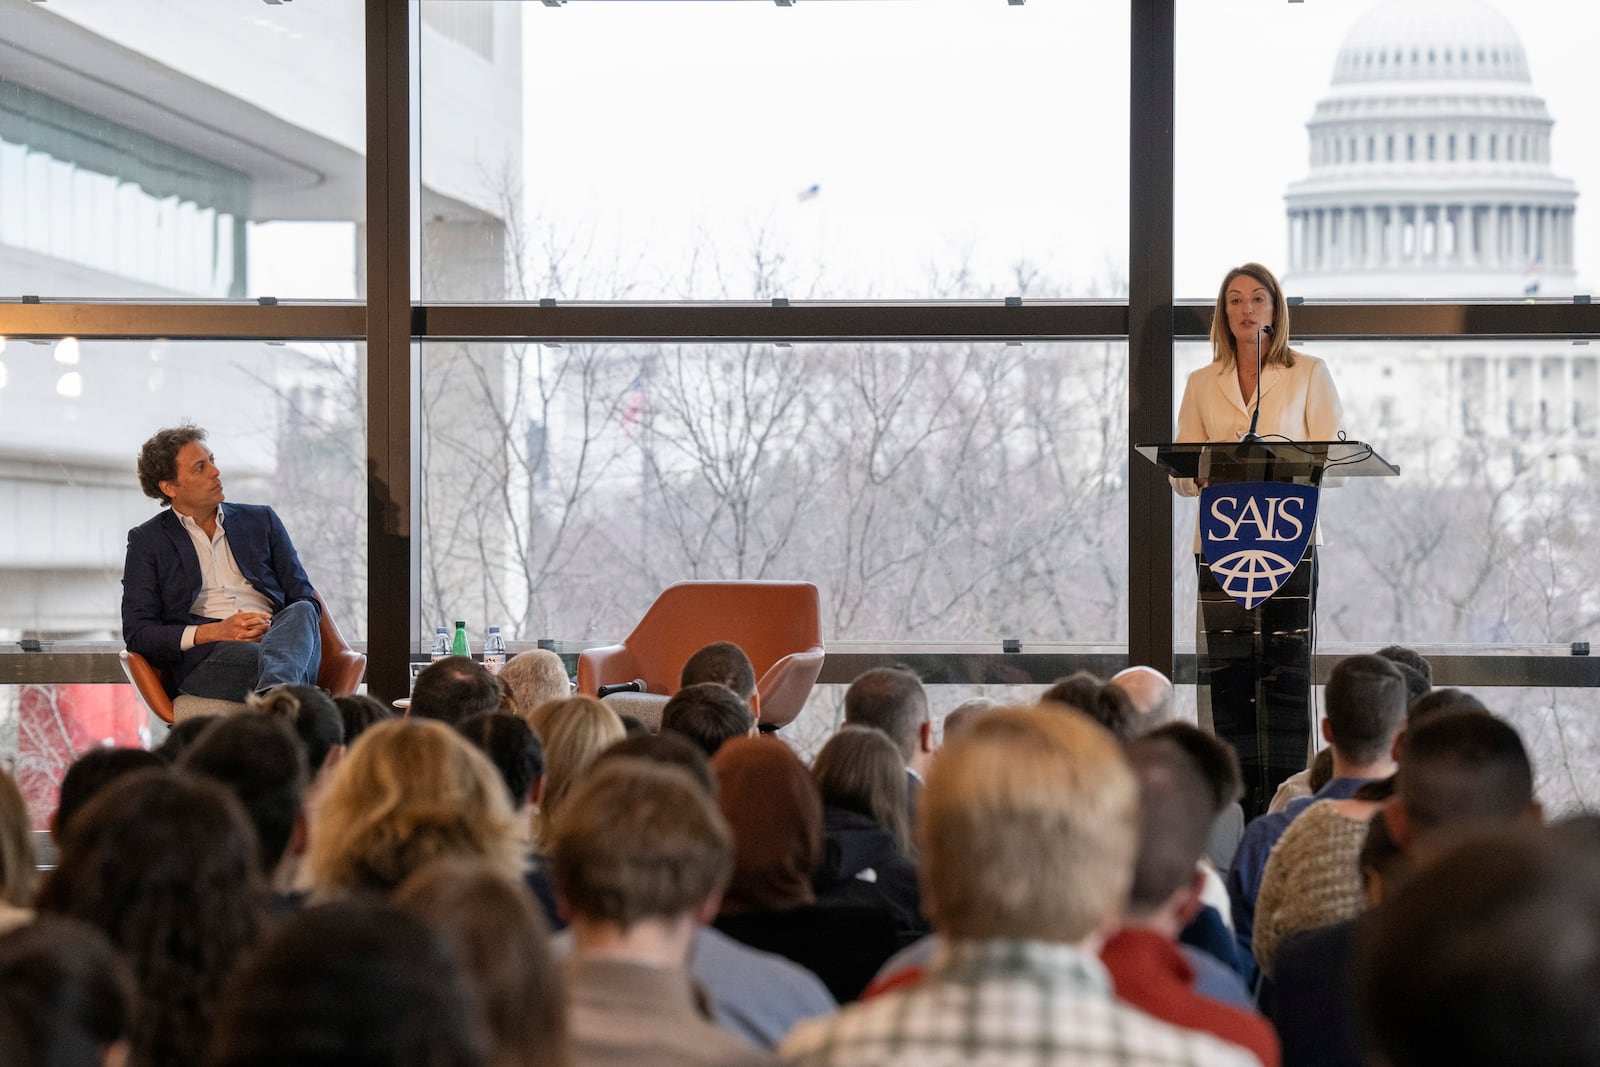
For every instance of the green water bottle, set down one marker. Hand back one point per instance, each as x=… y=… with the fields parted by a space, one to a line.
x=458 y=647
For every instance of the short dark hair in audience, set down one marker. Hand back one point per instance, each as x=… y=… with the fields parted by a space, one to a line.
x=1216 y=761
x=1462 y=768
x=1441 y=701
x=65 y=997
x=724 y=663
x=708 y=714
x=1488 y=955
x=181 y=735
x=859 y=770
x=668 y=748
x=1416 y=685
x=1175 y=817
x=92 y=772
x=513 y=748
x=263 y=763
x=632 y=725
x=1366 y=705
x=359 y=711
x=312 y=715
x=351 y=984
x=164 y=864
x=452 y=689
x=890 y=699
x=1107 y=704
x=1408 y=657
x=503 y=945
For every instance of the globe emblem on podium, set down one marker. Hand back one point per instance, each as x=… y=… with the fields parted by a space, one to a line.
x=1252 y=575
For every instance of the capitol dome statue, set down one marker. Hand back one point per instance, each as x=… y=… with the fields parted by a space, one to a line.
x=1430 y=165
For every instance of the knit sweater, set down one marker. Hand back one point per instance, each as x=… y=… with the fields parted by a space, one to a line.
x=1313 y=878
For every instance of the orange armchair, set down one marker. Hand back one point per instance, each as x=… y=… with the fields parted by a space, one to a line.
x=339 y=672
x=778 y=624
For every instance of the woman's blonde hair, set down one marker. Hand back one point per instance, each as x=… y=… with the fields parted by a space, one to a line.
x=574 y=731
x=1274 y=349
x=19 y=869
x=410 y=791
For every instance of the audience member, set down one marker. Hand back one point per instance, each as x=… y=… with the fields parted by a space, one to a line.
x=726 y=664
x=413 y=791
x=351 y=984
x=1150 y=693
x=1488 y=955
x=640 y=858
x=632 y=725
x=574 y=731
x=452 y=689
x=1106 y=704
x=772 y=804
x=892 y=699
x=963 y=715
x=1027 y=842
x=504 y=950
x=263 y=764
x=19 y=869
x=91 y=772
x=516 y=752
x=316 y=722
x=707 y=713
x=181 y=735
x=865 y=837
x=1409 y=657
x=534 y=677
x=1366 y=705
x=164 y=864
x=66 y=1000
x=358 y=711
x=672 y=749
x=1147 y=967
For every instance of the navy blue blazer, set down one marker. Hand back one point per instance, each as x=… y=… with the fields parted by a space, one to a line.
x=161 y=579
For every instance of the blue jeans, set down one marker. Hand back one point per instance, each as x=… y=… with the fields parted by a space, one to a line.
x=289 y=654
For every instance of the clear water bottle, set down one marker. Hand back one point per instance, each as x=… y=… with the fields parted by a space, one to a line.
x=459 y=646
x=494 y=651
x=441 y=643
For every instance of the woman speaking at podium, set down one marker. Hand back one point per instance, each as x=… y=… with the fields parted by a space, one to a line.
x=1255 y=377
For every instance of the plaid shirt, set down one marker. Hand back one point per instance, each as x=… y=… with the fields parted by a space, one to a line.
x=999 y=1004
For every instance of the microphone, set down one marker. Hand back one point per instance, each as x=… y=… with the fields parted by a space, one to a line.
x=1255 y=416
x=635 y=686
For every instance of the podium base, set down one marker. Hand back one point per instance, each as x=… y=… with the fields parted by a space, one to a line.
x=1254 y=674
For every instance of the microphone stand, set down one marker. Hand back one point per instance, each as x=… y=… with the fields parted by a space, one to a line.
x=1255 y=416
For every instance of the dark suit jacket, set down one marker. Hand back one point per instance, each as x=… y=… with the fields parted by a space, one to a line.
x=161 y=578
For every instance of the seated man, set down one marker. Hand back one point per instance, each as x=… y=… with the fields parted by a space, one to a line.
x=214 y=592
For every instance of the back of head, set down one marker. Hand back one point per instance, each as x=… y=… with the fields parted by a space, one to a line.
x=1408 y=657
x=1488 y=955
x=1463 y=768
x=65 y=997
x=963 y=715
x=534 y=677
x=359 y=711
x=1175 y=817
x=263 y=764
x=412 y=791
x=574 y=731
x=513 y=748
x=707 y=713
x=669 y=749
x=724 y=663
x=312 y=715
x=1216 y=760
x=19 y=872
x=92 y=772
x=452 y=689
x=355 y=984
x=181 y=735
x=890 y=699
x=1028 y=827
x=503 y=945
x=1106 y=704
x=860 y=770
x=638 y=841
x=1366 y=705
x=1151 y=694
x=1441 y=702
x=773 y=807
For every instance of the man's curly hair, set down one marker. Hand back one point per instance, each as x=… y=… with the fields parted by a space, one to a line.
x=158 y=458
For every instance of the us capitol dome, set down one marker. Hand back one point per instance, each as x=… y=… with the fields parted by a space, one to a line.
x=1430 y=165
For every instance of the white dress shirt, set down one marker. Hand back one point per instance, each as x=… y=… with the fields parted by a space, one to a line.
x=223 y=588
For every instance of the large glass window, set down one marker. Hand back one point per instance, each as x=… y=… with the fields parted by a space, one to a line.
x=707 y=151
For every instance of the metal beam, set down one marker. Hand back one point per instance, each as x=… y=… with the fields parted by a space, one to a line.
x=137 y=321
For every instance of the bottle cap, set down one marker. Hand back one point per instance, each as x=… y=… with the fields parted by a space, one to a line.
x=494 y=629
x=459 y=624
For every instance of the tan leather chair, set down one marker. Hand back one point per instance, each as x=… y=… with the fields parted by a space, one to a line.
x=778 y=624
x=339 y=672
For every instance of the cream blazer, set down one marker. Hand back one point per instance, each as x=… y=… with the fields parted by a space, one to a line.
x=1297 y=402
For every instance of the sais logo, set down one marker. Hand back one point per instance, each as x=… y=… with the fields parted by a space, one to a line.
x=1254 y=533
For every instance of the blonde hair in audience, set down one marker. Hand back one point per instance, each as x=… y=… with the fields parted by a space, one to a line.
x=861 y=769
x=637 y=841
x=19 y=869
x=411 y=791
x=574 y=731
x=1028 y=828
x=534 y=677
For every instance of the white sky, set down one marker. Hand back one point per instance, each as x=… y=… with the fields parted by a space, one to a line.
x=943 y=129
